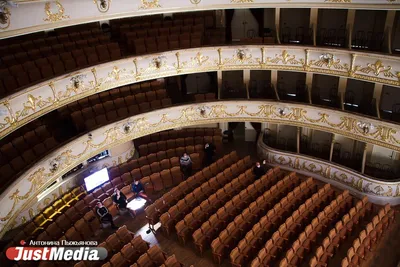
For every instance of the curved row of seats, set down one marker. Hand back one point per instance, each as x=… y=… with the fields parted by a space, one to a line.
x=164 y=39
x=151 y=163
x=233 y=207
x=174 y=134
x=22 y=151
x=122 y=247
x=271 y=222
x=170 y=198
x=60 y=212
x=113 y=94
x=343 y=228
x=154 y=257
x=46 y=64
x=282 y=235
x=185 y=227
x=296 y=254
x=368 y=239
x=204 y=97
x=152 y=148
x=242 y=217
x=120 y=108
x=177 y=212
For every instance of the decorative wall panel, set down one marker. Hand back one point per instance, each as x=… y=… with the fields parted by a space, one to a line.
x=60 y=13
x=359 y=184
x=31 y=103
x=23 y=191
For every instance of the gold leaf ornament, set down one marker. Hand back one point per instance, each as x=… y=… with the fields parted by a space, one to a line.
x=54 y=16
x=149 y=4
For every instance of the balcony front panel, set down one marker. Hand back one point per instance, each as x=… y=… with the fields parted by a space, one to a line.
x=359 y=184
x=24 y=190
x=46 y=15
x=31 y=103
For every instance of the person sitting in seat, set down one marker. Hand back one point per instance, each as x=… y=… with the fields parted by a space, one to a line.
x=209 y=151
x=105 y=216
x=186 y=165
x=138 y=190
x=119 y=199
x=259 y=170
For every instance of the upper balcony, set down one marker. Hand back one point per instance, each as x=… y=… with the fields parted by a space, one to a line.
x=47 y=15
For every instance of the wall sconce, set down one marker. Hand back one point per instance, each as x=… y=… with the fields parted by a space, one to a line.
x=102 y=5
x=283 y=111
x=128 y=127
x=366 y=127
x=327 y=58
x=158 y=61
x=77 y=80
x=54 y=165
x=203 y=110
x=5 y=13
x=241 y=54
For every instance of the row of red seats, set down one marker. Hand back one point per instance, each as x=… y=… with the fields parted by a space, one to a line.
x=38 y=43
x=367 y=241
x=244 y=216
x=295 y=255
x=139 y=92
x=170 y=198
x=33 y=71
x=193 y=220
x=275 y=217
x=111 y=111
x=342 y=230
x=153 y=147
x=146 y=165
x=164 y=43
x=209 y=230
x=175 y=134
x=177 y=212
x=120 y=252
x=292 y=227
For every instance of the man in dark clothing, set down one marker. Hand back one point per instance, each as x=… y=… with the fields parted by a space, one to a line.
x=186 y=165
x=105 y=216
x=209 y=151
x=138 y=190
x=259 y=170
x=119 y=198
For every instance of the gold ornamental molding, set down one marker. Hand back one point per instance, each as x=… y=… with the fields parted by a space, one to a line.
x=27 y=105
x=85 y=11
x=54 y=16
x=23 y=191
x=379 y=192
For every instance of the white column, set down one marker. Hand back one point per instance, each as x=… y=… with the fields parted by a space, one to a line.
x=246 y=81
x=377 y=95
x=277 y=23
x=351 y=14
x=219 y=79
x=313 y=23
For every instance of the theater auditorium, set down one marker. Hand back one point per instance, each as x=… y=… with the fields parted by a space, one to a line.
x=200 y=133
